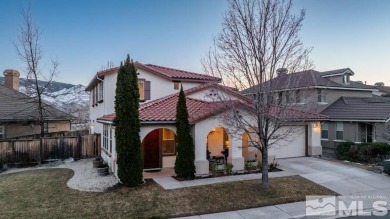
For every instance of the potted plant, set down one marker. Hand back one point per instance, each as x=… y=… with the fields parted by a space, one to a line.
x=98 y=161
x=102 y=170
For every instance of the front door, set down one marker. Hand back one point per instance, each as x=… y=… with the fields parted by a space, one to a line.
x=152 y=150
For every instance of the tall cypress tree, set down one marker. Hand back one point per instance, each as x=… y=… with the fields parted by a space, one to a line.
x=128 y=143
x=184 y=164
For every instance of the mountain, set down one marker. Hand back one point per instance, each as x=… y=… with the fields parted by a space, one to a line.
x=72 y=99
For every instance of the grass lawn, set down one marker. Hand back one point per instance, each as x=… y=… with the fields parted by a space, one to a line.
x=44 y=194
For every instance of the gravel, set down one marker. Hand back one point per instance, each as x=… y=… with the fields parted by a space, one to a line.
x=85 y=177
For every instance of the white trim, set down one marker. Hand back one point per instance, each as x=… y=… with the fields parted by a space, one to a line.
x=336 y=140
x=322 y=103
x=345 y=88
x=348 y=71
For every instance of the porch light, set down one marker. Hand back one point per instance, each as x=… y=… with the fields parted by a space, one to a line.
x=316 y=125
x=227 y=144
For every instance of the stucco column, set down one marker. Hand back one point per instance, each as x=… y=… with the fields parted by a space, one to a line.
x=201 y=162
x=314 y=139
x=235 y=152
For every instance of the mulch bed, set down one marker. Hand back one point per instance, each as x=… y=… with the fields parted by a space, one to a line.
x=220 y=174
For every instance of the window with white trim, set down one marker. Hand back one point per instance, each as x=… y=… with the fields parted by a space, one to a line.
x=168 y=142
x=321 y=96
x=2 y=131
x=141 y=88
x=346 y=79
x=101 y=95
x=298 y=98
x=339 y=131
x=324 y=130
x=107 y=138
x=176 y=85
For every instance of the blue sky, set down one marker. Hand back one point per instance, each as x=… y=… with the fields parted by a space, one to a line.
x=84 y=35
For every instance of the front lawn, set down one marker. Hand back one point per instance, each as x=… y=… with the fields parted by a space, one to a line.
x=44 y=194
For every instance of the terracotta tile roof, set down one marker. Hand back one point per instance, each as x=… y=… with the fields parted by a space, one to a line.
x=359 y=108
x=164 y=109
x=165 y=72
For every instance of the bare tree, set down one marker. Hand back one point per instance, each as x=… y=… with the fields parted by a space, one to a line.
x=29 y=50
x=258 y=44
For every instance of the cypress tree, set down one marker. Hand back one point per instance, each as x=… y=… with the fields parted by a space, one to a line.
x=184 y=164
x=128 y=143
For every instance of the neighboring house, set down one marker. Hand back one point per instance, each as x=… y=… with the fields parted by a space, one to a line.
x=382 y=90
x=355 y=119
x=206 y=117
x=19 y=112
x=307 y=87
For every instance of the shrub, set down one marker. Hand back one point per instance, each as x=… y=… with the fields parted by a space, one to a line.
x=249 y=166
x=342 y=150
x=229 y=168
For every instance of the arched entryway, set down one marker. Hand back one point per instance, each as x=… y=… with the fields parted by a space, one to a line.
x=218 y=144
x=249 y=152
x=156 y=144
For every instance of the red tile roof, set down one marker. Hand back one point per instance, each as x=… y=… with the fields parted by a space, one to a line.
x=168 y=73
x=164 y=109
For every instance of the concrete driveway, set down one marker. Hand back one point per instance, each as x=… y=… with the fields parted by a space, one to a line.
x=351 y=182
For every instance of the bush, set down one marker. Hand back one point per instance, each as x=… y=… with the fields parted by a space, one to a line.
x=249 y=166
x=343 y=149
x=366 y=152
x=229 y=168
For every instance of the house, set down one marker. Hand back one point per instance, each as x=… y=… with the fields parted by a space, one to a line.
x=206 y=110
x=310 y=86
x=382 y=90
x=355 y=119
x=354 y=111
x=19 y=112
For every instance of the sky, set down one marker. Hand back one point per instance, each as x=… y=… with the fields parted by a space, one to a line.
x=84 y=35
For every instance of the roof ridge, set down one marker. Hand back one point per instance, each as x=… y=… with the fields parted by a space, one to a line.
x=174 y=69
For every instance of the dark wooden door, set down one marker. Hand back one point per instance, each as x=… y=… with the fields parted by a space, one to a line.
x=152 y=150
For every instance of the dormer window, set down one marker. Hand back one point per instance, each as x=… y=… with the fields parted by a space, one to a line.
x=346 y=79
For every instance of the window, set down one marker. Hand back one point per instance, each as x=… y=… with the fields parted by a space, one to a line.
x=107 y=138
x=346 y=79
x=339 y=131
x=366 y=132
x=2 y=132
x=324 y=130
x=176 y=85
x=287 y=94
x=168 y=142
x=141 y=89
x=46 y=127
x=298 y=97
x=280 y=98
x=100 y=91
x=321 y=96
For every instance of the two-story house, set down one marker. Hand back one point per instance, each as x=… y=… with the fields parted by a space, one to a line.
x=354 y=113
x=19 y=112
x=158 y=88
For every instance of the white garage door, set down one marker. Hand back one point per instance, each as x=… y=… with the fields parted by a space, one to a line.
x=292 y=146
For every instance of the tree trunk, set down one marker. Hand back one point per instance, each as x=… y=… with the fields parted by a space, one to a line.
x=264 y=171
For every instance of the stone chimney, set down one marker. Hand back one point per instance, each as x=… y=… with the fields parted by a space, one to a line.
x=11 y=79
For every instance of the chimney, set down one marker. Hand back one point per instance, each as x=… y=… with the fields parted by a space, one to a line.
x=11 y=79
x=281 y=71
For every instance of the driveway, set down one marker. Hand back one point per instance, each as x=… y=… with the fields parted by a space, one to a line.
x=351 y=182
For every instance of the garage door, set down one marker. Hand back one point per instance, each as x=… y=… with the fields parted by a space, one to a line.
x=293 y=146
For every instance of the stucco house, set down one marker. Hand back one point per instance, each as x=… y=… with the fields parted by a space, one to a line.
x=19 y=112
x=211 y=136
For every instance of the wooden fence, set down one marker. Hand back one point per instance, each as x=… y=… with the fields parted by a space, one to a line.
x=27 y=151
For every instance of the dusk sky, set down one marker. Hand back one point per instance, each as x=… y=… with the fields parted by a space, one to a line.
x=85 y=35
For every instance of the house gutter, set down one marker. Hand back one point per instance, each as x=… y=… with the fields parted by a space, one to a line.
x=142 y=122
x=356 y=120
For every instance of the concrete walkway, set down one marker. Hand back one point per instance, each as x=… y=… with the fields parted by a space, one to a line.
x=343 y=179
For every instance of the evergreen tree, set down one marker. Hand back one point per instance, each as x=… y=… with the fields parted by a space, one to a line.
x=128 y=143
x=184 y=165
